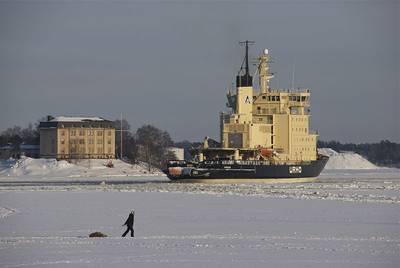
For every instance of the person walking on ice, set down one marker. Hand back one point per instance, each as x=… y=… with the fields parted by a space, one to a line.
x=129 y=224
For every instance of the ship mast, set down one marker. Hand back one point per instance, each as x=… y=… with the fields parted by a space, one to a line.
x=247 y=57
x=263 y=71
x=245 y=80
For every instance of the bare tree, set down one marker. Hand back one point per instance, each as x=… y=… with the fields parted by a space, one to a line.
x=152 y=145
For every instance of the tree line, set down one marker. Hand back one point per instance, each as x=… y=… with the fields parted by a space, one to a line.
x=17 y=135
x=384 y=153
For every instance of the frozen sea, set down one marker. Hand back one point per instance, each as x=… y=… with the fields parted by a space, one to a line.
x=346 y=219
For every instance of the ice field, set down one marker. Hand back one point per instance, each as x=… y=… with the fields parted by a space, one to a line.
x=194 y=225
x=346 y=218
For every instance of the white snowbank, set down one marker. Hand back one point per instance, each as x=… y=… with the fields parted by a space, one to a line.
x=345 y=160
x=31 y=166
x=41 y=168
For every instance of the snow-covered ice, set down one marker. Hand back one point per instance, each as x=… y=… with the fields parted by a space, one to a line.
x=50 y=229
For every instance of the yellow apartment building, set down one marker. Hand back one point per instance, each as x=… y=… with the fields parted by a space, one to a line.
x=66 y=137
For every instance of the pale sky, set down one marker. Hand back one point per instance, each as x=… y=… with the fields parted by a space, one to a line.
x=169 y=63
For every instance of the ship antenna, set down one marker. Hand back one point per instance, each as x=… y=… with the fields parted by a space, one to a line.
x=247 y=43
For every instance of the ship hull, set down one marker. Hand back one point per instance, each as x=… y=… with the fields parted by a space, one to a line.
x=239 y=171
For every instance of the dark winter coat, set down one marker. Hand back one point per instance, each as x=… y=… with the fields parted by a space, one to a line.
x=130 y=220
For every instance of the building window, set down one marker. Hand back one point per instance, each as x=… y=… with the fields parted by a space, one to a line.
x=81 y=132
x=99 y=133
x=109 y=133
x=109 y=141
x=62 y=133
x=277 y=98
x=62 y=141
x=99 y=142
x=72 y=132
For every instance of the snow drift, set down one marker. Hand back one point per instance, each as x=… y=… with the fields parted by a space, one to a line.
x=27 y=167
x=31 y=166
x=345 y=160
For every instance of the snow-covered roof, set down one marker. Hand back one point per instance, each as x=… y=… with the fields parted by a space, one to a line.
x=76 y=119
